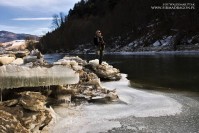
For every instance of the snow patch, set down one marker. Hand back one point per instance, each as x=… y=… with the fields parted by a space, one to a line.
x=164 y=42
x=2 y=35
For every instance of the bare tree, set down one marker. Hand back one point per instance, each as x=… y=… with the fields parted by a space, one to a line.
x=58 y=20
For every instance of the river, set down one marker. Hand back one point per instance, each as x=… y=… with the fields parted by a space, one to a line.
x=160 y=94
x=161 y=71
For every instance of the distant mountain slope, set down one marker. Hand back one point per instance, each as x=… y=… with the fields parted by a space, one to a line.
x=6 y=36
x=125 y=22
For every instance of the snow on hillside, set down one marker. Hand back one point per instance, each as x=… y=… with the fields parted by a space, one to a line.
x=13 y=45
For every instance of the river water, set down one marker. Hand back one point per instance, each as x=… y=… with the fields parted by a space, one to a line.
x=178 y=72
x=162 y=71
x=159 y=93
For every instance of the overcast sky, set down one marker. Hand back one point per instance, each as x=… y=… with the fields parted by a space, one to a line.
x=31 y=16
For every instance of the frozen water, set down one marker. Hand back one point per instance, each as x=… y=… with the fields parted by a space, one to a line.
x=102 y=117
x=51 y=58
x=13 y=76
x=190 y=52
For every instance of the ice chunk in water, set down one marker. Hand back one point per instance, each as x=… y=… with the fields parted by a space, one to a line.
x=13 y=76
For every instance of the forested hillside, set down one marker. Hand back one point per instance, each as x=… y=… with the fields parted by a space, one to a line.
x=124 y=22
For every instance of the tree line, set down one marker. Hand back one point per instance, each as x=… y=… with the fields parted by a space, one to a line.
x=128 y=19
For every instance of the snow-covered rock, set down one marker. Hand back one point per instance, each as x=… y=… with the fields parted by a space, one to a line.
x=36 y=53
x=164 y=42
x=6 y=59
x=75 y=63
x=157 y=43
x=18 y=61
x=15 y=45
x=33 y=101
x=28 y=59
x=104 y=71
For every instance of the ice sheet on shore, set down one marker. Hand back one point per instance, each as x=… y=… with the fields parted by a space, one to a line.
x=13 y=76
x=101 y=118
x=185 y=52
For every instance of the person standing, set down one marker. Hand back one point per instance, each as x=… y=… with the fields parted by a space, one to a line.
x=100 y=44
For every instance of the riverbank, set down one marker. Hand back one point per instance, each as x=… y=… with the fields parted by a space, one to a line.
x=134 y=111
x=130 y=49
x=138 y=111
x=37 y=86
x=184 y=52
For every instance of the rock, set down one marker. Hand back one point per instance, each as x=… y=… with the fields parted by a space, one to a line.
x=29 y=65
x=112 y=95
x=89 y=78
x=77 y=59
x=35 y=58
x=9 y=102
x=28 y=59
x=15 y=45
x=21 y=54
x=70 y=62
x=18 y=61
x=37 y=120
x=64 y=98
x=9 y=124
x=29 y=112
x=89 y=87
x=33 y=101
x=36 y=53
x=16 y=110
x=104 y=71
x=105 y=98
x=63 y=94
x=6 y=60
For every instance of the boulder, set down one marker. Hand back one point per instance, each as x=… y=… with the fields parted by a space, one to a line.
x=73 y=62
x=28 y=112
x=77 y=59
x=18 y=61
x=36 y=53
x=9 y=103
x=104 y=71
x=33 y=101
x=21 y=54
x=9 y=124
x=37 y=120
x=15 y=45
x=29 y=59
x=112 y=95
x=4 y=60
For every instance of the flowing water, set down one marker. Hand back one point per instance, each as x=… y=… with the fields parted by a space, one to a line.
x=160 y=94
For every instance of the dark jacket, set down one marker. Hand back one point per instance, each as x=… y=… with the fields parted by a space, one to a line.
x=99 y=42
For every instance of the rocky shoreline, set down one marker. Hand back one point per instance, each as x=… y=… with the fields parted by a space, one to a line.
x=28 y=107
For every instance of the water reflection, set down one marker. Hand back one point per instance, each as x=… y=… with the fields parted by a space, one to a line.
x=154 y=71
x=158 y=71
